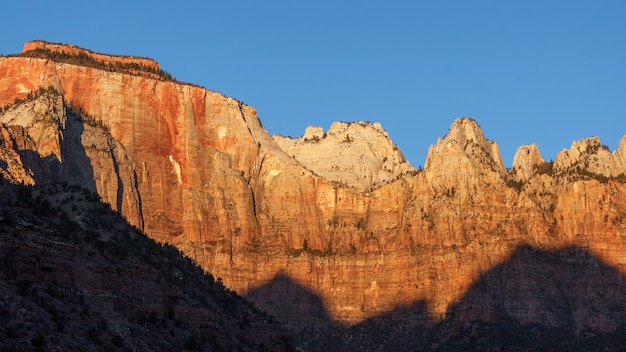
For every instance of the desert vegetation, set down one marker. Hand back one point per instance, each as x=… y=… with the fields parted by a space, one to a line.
x=75 y=275
x=83 y=59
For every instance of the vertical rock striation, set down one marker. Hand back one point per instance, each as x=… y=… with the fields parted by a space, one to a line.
x=339 y=216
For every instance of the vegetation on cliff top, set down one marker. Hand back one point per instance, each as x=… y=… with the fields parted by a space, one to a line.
x=83 y=59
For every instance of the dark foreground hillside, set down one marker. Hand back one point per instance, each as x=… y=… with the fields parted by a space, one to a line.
x=75 y=276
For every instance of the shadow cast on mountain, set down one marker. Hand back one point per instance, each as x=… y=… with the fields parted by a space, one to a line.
x=536 y=300
x=74 y=168
x=566 y=299
x=289 y=301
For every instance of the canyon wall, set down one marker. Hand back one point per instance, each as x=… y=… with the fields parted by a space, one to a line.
x=360 y=229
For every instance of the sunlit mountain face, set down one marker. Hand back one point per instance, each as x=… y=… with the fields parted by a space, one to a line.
x=333 y=234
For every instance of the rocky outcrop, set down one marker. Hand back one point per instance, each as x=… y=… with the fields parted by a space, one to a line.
x=358 y=155
x=526 y=161
x=467 y=137
x=589 y=155
x=363 y=234
x=463 y=159
x=52 y=143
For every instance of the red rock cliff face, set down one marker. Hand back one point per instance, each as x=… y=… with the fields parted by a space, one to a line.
x=197 y=169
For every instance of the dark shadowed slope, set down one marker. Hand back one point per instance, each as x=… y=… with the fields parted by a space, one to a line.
x=535 y=301
x=75 y=276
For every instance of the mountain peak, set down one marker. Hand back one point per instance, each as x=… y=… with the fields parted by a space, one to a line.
x=358 y=154
x=465 y=137
x=328 y=227
x=526 y=159
x=590 y=155
x=465 y=130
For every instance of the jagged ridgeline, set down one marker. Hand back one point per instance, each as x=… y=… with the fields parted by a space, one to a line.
x=334 y=232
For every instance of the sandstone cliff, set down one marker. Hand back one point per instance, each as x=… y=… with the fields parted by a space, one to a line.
x=352 y=154
x=526 y=161
x=196 y=169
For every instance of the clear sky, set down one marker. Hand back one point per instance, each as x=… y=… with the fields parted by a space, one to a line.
x=544 y=72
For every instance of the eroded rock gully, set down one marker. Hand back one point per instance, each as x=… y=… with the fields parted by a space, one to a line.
x=362 y=232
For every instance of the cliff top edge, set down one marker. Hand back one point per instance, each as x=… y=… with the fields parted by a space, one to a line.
x=70 y=49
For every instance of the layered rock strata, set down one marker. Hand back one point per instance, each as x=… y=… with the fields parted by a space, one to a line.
x=196 y=169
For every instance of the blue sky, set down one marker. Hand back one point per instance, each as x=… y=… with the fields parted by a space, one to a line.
x=544 y=72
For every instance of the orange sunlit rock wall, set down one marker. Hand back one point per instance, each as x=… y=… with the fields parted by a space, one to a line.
x=196 y=169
